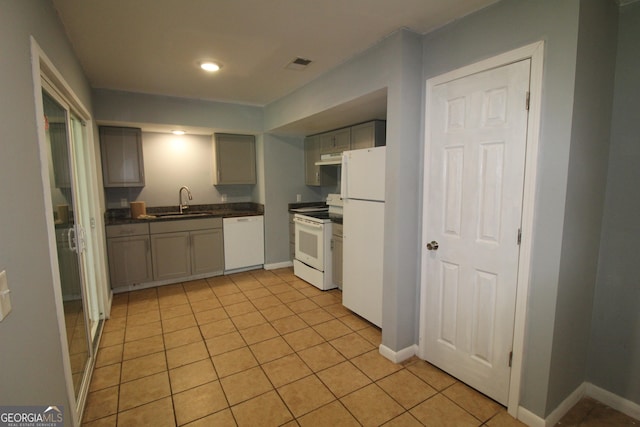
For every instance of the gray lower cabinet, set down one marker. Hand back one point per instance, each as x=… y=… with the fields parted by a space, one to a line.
x=129 y=253
x=336 y=254
x=186 y=248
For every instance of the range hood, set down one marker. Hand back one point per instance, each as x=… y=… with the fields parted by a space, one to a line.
x=330 y=159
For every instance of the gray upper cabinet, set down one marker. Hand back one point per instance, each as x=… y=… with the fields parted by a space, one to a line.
x=368 y=135
x=335 y=141
x=234 y=159
x=311 y=156
x=122 y=161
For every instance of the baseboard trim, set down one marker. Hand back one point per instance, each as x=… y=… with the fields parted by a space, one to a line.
x=618 y=403
x=529 y=418
x=398 y=356
x=277 y=265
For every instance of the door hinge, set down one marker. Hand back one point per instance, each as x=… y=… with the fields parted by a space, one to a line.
x=510 y=358
x=519 y=236
x=527 y=101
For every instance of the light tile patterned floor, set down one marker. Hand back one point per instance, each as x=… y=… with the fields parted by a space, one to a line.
x=263 y=348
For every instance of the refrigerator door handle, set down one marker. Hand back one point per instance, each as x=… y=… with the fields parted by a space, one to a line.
x=344 y=176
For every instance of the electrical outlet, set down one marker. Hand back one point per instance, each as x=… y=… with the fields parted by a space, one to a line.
x=298 y=197
x=223 y=198
x=5 y=297
x=123 y=203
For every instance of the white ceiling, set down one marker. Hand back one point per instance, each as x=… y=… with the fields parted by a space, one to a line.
x=153 y=46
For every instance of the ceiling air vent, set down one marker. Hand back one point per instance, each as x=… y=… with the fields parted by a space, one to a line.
x=298 y=64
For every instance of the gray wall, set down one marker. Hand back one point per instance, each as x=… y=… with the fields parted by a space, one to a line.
x=31 y=356
x=172 y=161
x=507 y=25
x=614 y=362
x=584 y=204
x=394 y=63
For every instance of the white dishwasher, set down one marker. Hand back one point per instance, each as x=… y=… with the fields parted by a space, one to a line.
x=243 y=242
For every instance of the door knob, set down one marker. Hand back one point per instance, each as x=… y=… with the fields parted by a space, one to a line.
x=432 y=246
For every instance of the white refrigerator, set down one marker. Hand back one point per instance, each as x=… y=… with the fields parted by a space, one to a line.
x=362 y=190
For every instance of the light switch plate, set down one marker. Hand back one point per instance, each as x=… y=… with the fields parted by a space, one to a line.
x=5 y=296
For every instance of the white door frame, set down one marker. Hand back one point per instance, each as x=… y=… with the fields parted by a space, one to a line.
x=535 y=52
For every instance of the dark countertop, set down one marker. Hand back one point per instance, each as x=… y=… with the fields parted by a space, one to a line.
x=222 y=210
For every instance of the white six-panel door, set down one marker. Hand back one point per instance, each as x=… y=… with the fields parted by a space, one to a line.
x=476 y=157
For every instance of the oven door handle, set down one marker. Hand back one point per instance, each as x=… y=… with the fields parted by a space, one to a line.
x=309 y=224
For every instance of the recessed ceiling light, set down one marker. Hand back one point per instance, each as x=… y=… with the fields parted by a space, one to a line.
x=210 y=66
x=178 y=132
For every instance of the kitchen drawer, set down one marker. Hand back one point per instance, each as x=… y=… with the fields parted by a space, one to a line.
x=124 y=230
x=184 y=225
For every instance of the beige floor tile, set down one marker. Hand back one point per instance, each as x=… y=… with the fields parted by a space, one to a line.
x=337 y=310
x=441 y=412
x=143 y=306
x=109 y=355
x=186 y=354
x=244 y=321
x=182 y=337
x=403 y=420
x=302 y=306
x=304 y=338
x=143 y=318
x=143 y=347
x=264 y=410
x=225 y=343
x=305 y=395
x=112 y=338
x=157 y=414
x=274 y=348
x=109 y=421
x=276 y=312
x=321 y=356
x=217 y=328
x=255 y=293
x=258 y=333
x=204 y=305
x=374 y=365
x=225 y=289
x=199 y=402
x=105 y=377
x=223 y=418
x=355 y=322
x=192 y=375
x=326 y=299
x=144 y=390
x=332 y=329
x=172 y=300
x=431 y=375
x=135 y=333
x=291 y=296
x=232 y=299
x=118 y=312
x=406 y=388
x=143 y=366
x=266 y=302
x=240 y=308
x=168 y=290
x=331 y=415
x=343 y=378
x=310 y=291
x=286 y=370
x=472 y=401
x=289 y=324
x=250 y=285
x=208 y=316
x=316 y=316
x=101 y=403
x=174 y=311
x=371 y=334
x=143 y=294
x=245 y=385
x=352 y=345
x=179 y=322
x=115 y=324
x=371 y=406
x=279 y=287
x=503 y=419
x=234 y=361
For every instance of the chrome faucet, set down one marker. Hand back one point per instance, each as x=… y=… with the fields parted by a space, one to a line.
x=184 y=205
